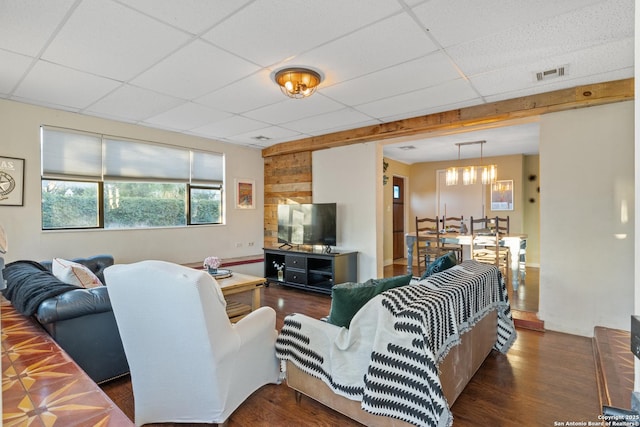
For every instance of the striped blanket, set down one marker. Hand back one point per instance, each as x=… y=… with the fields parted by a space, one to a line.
x=388 y=358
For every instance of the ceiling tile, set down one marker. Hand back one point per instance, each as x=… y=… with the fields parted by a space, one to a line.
x=433 y=110
x=598 y=24
x=453 y=91
x=350 y=126
x=580 y=64
x=294 y=109
x=12 y=68
x=427 y=71
x=52 y=84
x=107 y=39
x=250 y=93
x=193 y=16
x=235 y=125
x=330 y=122
x=481 y=18
x=194 y=71
x=26 y=26
x=281 y=28
x=272 y=132
x=370 y=49
x=133 y=104
x=187 y=116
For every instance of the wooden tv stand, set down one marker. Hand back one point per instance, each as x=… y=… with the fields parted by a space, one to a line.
x=313 y=271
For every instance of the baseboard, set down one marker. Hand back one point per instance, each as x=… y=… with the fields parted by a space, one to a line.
x=229 y=262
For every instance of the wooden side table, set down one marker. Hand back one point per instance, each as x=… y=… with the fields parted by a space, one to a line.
x=240 y=283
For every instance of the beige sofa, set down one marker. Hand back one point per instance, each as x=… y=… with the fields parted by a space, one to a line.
x=456 y=370
x=457 y=360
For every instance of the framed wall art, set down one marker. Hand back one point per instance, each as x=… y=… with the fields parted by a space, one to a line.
x=245 y=194
x=502 y=195
x=11 y=181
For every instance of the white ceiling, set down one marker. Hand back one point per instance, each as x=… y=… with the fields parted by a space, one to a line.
x=205 y=67
x=514 y=138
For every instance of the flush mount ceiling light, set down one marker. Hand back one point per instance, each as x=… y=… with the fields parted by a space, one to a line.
x=297 y=82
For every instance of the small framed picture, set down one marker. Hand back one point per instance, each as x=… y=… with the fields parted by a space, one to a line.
x=245 y=193
x=502 y=195
x=11 y=181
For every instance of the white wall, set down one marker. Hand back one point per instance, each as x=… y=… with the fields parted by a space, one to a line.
x=586 y=170
x=349 y=176
x=19 y=137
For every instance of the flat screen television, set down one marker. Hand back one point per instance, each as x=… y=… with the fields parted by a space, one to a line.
x=307 y=224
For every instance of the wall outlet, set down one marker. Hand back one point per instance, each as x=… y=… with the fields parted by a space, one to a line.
x=238 y=245
x=250 y=244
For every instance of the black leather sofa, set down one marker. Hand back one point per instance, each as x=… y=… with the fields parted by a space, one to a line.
x=82 y=323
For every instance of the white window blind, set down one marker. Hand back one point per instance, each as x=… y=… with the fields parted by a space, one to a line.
x=79 y=155
x=71 y=154
x=206 y=168
x=135 y=160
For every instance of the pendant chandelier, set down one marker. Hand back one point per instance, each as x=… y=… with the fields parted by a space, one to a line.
x=488 y=174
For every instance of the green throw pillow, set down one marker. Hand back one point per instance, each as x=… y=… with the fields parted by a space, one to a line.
x=442 y=263
x=348 y=298
x=392 y=282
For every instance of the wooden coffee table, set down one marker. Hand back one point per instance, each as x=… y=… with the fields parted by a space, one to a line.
x=239 y=283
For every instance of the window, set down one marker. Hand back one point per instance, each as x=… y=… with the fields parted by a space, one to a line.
x=205 y=205
x=95 y=181
x=144 y=204
x=70 y=204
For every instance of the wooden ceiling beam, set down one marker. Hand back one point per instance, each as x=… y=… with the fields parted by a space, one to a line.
x=516 y=108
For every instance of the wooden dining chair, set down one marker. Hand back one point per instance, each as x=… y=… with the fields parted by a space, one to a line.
x=502 y=224
x=478 y=224
x=428 y=242
x=453 y=224
x=485 y=248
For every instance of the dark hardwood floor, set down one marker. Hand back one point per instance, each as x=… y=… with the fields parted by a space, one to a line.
x=547 y=378
x=527 y=296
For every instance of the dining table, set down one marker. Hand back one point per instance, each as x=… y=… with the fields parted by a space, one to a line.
x=516 y=243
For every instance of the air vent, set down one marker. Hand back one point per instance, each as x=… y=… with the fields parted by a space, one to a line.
x=407 y=147
x=551 y=74
x=261 y=138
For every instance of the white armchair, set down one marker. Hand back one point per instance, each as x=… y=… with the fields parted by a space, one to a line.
x=188 y=362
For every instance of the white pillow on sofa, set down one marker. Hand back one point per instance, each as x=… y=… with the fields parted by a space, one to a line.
x=74 y=273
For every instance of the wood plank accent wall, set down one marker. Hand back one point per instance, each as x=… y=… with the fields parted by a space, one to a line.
x=287 y=179
x=287 y=166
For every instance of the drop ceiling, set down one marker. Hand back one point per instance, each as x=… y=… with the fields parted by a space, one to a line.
x=205 y=68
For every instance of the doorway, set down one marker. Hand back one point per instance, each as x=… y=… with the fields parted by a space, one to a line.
x=398 y=217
